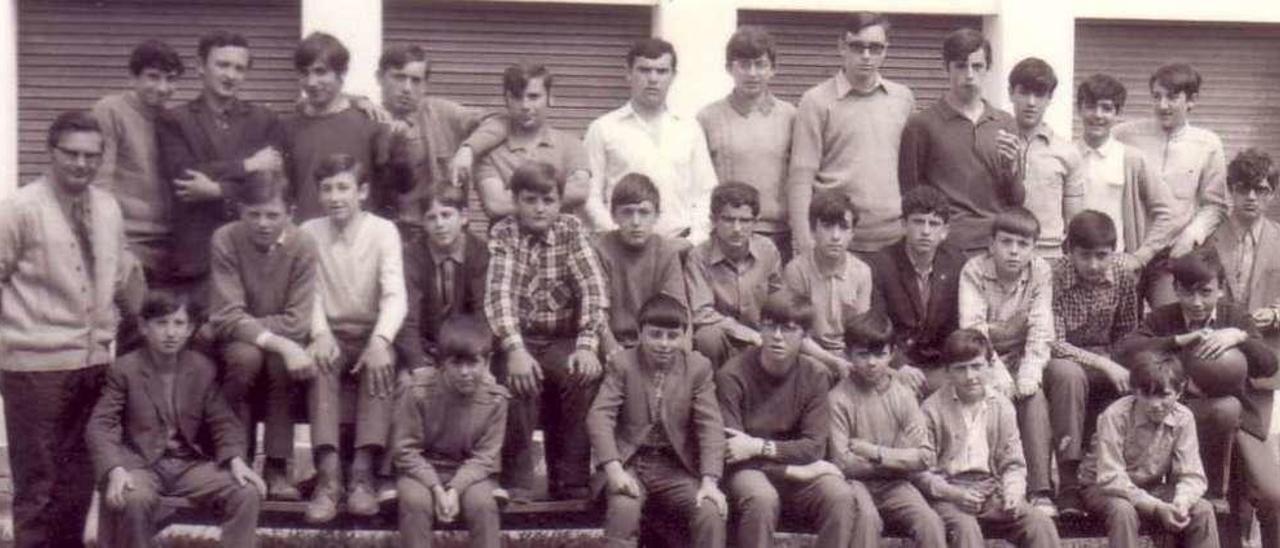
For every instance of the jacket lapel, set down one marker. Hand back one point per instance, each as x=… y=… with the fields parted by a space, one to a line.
x=154 y=389
x=1229 y=250
x=906 y=275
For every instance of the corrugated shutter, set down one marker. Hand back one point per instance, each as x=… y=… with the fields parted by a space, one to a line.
x=71 y=53
x=807 y=50
x=470 y=43
x=1240 y=64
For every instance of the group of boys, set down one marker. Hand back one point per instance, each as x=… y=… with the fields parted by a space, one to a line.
x=741 y=300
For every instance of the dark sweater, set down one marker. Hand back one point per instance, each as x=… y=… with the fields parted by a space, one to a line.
x=254 y=290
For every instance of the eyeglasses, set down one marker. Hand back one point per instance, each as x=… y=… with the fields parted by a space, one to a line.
x=1260 y=191
x=784 y=328
x=87 y=157
x=858 y=46
x=747 y=65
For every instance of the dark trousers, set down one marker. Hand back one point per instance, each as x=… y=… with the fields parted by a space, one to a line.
x=1217 y=423
x=561 y=408
x=243 y=365
x=476 y=506
x=1077 y=394
x=1123 y=520
x=828 y=503
x=205 y=483
x=901 y=505
x=46 y=414
x=1033 y=423
x=324 y=403
x=668 y=498
x=714 y=342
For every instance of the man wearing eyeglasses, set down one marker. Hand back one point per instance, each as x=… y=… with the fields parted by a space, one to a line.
x=749 y=131
x=62 y=270
x=846 y=137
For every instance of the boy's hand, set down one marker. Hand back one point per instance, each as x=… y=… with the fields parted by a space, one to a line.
x=584 y=366
x=1215 y=342
x=1185 y=243
x=620 y=482
x=968 y=499
x=460 y=167
x=119 y=482
x=326 y=352
x=243 y=475
x=1117 y=375
x=265 y=159
x=197 y=187
x=378 y=367
x=1015 y=506
x=524 y=375
x=446 y=504
x=296 y=360
x=1265 y=318
x=740 y=446
x=711 y=492
x=1025 y=387
x=1171 y=518
x=813 y=471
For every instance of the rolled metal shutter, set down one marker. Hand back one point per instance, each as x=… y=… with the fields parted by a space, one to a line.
x=71 y=53
x=807 y=51
x=470 y=43
x=1240 y=64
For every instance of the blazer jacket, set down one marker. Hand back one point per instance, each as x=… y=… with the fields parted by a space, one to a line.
x=1162 y=324
x=417 y=335
x=920 y=329
x=127 y=428
x=619 y=418
x=1264 y=281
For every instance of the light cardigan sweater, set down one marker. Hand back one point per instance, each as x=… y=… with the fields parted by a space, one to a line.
x=1147 y=208
x=53 y=316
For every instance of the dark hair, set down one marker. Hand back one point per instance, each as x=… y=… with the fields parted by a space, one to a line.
x=926 y=199
x=1017 y=220
x=517 y=77
x=157 y=55
x=734 y=194
x=1101 y=87
x=538 y=177
x=859 y=20
x=1248 y=168
x=219 y=39
x=663 y=310
x=634 y=188
x=871 y=330
x=398 y=56
x=1155 y=371
x=829 y=208
x=159 y=304
x=961 y=43
x=963 y=345
x=341 y=162
x=1177 y=78
x=464 y=336
x=651 y=48
x=1197 y=268
x=750 y=42
x=454 y=196
x=786 y=306
x=323 y=48
x=71 y=121
x=1091 y=229
x=260 y=187
x=1034 y=76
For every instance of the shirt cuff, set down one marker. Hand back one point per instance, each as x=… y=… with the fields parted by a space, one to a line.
x=588 y=341
x=512 y=342
x=261 y=340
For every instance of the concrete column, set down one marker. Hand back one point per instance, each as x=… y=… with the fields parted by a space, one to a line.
x=8 y=97
x=699 y=30
x=358 y=23
x=1046 y=30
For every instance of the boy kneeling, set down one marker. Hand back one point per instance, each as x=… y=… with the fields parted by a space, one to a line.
x=1145 y=460
x=976 y=468
x=655 y=425
x=449 y=426
x=144 y=430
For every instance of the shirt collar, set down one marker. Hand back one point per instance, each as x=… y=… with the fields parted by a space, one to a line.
x=844 y=88
x=928 y=268
x=840 y=273
x=987 y=268
x=988 y=113
x=1242 y=231
x=233 y=106
x=628 y=110
x=1108 y=149
x=347 y=234
x=1213 y=318
x=454 y=253
x=717 y=254
x=547 y=237
x=1074 y=279
x=763 y=105
x=1043 y=132
x=542 y=139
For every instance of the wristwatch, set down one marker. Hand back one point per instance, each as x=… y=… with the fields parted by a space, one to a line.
x=878 y=457
x=769 y=451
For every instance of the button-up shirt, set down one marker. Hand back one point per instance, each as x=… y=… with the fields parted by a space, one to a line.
x=671 y=150
x=849 y=141
x=838 y=296
x=1131 y=453
x=361 y=288
x=724 y=290
x=942 y=148
x=958 y=435
x=547 y=284
x=1092 y=315
x=752 y=144
x=1192 y=164
x=1027 y=301
x=1054 y=180
x=560 y=149
x=1104 y=182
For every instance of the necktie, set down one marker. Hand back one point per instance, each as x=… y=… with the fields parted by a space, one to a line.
x=446 y=276
x=79 y=213
x=1244 y=272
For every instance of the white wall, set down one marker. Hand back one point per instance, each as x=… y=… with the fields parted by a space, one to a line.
x=8 y=96
x=358 y=24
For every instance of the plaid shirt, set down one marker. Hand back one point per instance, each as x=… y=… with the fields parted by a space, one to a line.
x=548 y=284
x=1087 y=315
x=1026 y=304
